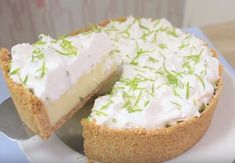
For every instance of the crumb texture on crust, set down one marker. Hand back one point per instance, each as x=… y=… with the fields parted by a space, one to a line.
x=140 y=145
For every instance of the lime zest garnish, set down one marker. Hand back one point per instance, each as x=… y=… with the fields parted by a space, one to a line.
x=134 y=63
x=187 y=90
x=153 y=90
x=141 y=52
x=172 y=32
x=176 y=104
x=146 y=103
x=138 y=98
x=105 y=106
x=172 y=79
x=15 y=71
x=42 y=70
x=145 y=35
x=153 y=60
x=39 y=43
x=163 y=46
x=183 y=45
x=100 y=113
x=25 y=79
x=37 y=54
x=202 y=82
x=132 y=110
x=142 y=26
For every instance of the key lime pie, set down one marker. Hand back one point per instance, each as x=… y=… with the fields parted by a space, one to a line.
x=161 y=105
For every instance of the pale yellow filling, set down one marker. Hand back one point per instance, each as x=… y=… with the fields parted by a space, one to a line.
x=86 y=85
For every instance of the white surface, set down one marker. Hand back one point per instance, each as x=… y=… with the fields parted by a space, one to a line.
x=217 y=145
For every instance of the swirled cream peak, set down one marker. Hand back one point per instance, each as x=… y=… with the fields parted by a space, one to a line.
x=49 y=67
x=168 y=76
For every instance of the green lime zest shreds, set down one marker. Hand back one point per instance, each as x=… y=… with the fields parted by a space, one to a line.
x=25 y=80
x=42 y=69
x=176 y=104
x=146 y=103
x=195 y=58
x=68 y=48
x=15 y=71
x=134 y=63
x=142 y=26
x=100 y=113
x=153 y=60
x=105 y=106
x=37 y=54
x=183 y=45
x=172 y=32
x=39 y=43
x=145 y=35
x=132 y=110
x=163 y=46
x=187 y=90
x=172 y=79
x=138 y=98
x=200 y=79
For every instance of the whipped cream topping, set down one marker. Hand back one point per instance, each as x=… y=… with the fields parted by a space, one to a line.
x=50 y=67
x=168 y=76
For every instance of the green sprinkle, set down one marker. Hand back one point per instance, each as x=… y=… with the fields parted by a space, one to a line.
x=138 y=98
x=178 y=105
x=131 y=110
x=153 y=60
x=187 y=90
x=14 y=72
x=145 y=78
x=146 y=103
x=195 y=58
x=153 y=90
x=37 y=54
x=183 y=45
x=154 y=41
x=162 y=29
x=105 y=106
x=150 y=68
x=163 y=46
x=25 y=79
x=142 y=26
x=172 y=79
x=100 y=113
x=44 y=69
x=145 y=35
x=39 y=43
x=172 y=32
x=134 y=63
x=202 y=82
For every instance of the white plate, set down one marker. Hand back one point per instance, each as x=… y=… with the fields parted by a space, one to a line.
x=217 y=145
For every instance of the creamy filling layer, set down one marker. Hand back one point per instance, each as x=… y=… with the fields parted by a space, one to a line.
x=85 y=86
